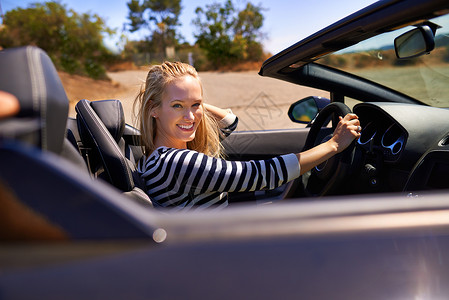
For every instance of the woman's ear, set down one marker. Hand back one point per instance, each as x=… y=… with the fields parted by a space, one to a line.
x=153 y=112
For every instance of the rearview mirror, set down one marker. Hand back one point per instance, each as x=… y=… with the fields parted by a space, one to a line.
x=415 y=42
x=305 y=110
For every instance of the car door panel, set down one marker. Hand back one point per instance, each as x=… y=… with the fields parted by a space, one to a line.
x=247 y=145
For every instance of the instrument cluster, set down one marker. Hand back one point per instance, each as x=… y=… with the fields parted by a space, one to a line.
x=382 y=134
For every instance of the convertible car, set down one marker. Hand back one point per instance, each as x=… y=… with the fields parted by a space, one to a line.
x=371 y=223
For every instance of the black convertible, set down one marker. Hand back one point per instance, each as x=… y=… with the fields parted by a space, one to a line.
x=369 y=223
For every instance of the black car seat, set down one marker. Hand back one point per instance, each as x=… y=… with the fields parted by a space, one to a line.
x=42 y=195
x=101 y=126
x=29 y=74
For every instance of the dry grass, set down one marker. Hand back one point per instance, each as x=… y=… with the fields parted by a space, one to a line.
x=80 y=87
x=428 y=83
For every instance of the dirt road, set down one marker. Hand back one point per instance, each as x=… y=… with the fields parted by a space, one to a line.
x=259 y=102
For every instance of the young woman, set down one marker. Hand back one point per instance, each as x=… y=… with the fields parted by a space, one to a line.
x=182 y=165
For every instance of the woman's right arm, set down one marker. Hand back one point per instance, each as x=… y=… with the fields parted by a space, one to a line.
x=216 y=112
x=225 y=118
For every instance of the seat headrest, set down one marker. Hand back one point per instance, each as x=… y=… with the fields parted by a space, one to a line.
x=29 y=74
x=111 y=114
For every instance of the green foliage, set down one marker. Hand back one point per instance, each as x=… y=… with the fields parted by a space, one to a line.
x=193 y=55
x=405 y=62
x=159 y=17
x=249 y=22
x=74 y=41
x=228 y=36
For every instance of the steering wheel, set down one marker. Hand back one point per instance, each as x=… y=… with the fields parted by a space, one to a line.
x=328 y=176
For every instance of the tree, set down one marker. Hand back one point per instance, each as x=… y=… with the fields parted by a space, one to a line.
x=227 y=35
x=73 y=41
x=159 y=17
x=249 y=22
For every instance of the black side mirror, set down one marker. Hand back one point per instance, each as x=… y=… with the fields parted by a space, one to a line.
x=305 y=110
x=415 y=42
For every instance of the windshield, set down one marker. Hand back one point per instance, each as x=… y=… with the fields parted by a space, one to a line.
x=425 y=78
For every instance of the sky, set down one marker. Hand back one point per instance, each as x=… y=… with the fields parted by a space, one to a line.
x=286 y=21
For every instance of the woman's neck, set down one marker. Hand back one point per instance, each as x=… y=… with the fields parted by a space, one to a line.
x=159 y=142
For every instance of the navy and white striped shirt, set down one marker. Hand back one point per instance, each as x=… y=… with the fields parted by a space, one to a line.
x=186 y=179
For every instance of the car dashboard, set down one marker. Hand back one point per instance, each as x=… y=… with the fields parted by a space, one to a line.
x=396 y=140
x=384 y=134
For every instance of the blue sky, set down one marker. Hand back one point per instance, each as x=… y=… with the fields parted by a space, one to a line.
x=286 y=22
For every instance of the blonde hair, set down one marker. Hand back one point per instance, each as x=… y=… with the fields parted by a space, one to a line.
x=207 y=138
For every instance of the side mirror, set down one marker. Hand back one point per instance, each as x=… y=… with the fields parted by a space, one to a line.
x=305 y=110
x=415 y=42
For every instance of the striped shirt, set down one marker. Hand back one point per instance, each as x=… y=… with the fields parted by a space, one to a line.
x=186 y=179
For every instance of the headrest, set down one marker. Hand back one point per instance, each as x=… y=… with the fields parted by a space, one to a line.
x=29 y=74
x=111 y=114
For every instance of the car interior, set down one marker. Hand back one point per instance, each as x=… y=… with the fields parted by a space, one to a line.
x=76 y=223
x=100 y=149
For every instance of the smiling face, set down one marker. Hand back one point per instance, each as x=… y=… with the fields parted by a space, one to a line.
x=180 y=113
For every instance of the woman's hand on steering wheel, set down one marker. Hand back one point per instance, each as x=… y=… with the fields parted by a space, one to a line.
x=346 y=131
x=330 y=177
x=337 y=148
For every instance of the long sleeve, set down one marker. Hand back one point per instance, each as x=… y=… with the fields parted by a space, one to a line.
x=229 y=123
x=186 y=178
